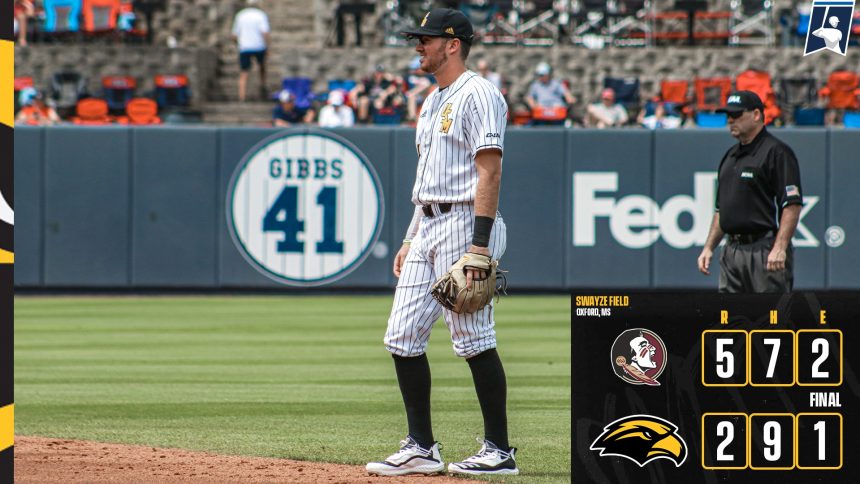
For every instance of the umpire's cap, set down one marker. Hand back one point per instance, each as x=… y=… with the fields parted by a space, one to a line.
x=740 y=101
x=443 y=22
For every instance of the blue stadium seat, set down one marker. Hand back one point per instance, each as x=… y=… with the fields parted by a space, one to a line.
x=344 y=84
x=809 y=116
x=62 y=16
x=711 y=120
x=626 y=89
x=851 y=119
x=301 y=88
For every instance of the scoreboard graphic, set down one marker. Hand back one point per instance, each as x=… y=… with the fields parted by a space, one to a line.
x=710 y=388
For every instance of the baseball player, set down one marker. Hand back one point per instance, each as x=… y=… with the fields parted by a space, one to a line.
x=459 y=139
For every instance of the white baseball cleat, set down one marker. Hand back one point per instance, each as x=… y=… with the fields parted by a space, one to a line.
x=410 y=459
x=490 y=460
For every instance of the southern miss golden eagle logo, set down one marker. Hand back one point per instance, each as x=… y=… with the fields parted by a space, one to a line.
x=642 y=438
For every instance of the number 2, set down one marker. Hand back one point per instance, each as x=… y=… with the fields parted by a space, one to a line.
x=820 y=345
x=728 y=430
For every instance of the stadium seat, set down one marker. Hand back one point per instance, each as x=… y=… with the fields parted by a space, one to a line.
x=711 y=120
x=301 y=88
x=674 y=91
x=92 y=111
x=711 y=93
x=626 y=90
x=542 y=116
x=842 y=90
x=851 y=120
x=118 y=91
x=759 y=82
x=21 y=83
x=387 y=116
x=809 y=116
x=797 y=91
x=172 y=90
x=141 y=111
x=67 y=87
x=100 y=15
x=61 y=16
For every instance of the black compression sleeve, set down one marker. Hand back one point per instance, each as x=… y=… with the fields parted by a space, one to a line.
x=481 y=234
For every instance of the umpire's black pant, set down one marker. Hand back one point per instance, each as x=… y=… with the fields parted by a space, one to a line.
x=743 y=268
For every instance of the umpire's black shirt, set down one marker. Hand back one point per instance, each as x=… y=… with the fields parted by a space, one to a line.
x=756 y=181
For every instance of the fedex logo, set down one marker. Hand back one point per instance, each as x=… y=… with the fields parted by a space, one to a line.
x=637 y=221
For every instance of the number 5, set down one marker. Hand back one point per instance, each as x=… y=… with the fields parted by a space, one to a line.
x=725 y=359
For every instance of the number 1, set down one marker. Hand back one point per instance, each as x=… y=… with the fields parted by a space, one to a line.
x=819 y=427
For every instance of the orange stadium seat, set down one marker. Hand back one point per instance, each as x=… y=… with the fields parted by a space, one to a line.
x=100 y=15
x=140 y=111
x=674 y=91
x=842 y=90
x=92 y=111
x=711 y=93
x=759 y=82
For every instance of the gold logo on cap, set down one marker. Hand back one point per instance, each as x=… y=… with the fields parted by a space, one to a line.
x=425 y=19
x=449 y=30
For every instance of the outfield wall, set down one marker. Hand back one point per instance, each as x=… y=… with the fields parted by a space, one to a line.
x=144 y=207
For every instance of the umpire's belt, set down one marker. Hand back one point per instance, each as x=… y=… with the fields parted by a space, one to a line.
x=749 y=238
x=435 y=209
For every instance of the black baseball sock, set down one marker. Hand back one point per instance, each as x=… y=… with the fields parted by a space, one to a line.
x=491 y=387
x=413 y=374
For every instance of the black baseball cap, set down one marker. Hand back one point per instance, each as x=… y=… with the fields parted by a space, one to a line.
x=740 y=101
x=443 y=22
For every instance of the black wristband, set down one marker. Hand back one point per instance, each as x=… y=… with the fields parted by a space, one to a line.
x=481 y=234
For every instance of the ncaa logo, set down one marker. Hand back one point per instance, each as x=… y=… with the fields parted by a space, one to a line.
x=829 y=26
x=305 y=208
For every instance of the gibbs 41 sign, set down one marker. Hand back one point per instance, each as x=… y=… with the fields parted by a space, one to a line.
x=305 y=208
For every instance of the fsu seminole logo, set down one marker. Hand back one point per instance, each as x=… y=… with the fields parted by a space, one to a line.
x=305 y=207
x=639 y=357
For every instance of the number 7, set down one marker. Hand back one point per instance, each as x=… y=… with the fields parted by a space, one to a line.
x=774 y=354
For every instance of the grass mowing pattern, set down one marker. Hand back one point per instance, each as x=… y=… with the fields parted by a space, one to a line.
x=293 y=377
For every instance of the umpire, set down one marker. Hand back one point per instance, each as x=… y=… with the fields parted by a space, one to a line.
x=758 y=204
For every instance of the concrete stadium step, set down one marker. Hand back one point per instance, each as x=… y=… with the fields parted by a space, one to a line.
x=247 y=113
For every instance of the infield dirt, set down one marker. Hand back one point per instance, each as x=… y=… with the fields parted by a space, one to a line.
x=50 y=460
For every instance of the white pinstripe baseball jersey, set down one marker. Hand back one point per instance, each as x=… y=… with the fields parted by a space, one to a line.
x=455 y=123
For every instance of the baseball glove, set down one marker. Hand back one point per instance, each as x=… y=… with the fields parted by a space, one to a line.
x=450 y=290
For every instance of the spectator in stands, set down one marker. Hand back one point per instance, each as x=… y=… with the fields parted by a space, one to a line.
x=546 y=92
x=381 y=90
x=606 y=113
x=336 y=114
x=24 y=10
x=485 y=72
x=286 y=113
x=251 y=32
x=419 y=85
x=660 y=119
x=35 y=111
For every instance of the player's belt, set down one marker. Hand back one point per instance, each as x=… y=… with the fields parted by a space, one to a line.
x=749 y=238
x=435 y=209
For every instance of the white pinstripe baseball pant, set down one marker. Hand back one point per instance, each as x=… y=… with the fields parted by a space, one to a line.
x=440 y=242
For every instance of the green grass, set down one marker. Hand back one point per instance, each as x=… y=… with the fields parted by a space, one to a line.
x=293 y=377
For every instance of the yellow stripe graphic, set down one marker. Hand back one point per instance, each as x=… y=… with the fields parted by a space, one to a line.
x=7 y=426
x=6 y=257
x=7 y=87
